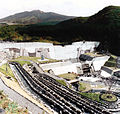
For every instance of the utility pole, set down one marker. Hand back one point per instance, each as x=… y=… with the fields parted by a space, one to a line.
x=7 y=58
x=6 y=67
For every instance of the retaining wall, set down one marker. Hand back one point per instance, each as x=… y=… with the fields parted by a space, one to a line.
x=55 y=52
x=98 y=62
x=61 y=67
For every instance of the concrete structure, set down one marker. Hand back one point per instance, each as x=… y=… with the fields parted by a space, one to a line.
x=3 y=56
x=42 y=51
x=98 y=62
x=109 y=71
x=62 y=67
x=90 y=79
x=74 y=50
x=48 y=49
x=94 y=62
x=106 y=72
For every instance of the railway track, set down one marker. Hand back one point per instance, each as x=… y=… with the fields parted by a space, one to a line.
x=61 y=99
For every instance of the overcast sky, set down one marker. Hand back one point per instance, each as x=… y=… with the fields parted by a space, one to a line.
x=66 y=7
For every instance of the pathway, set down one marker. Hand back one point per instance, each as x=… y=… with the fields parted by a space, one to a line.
x=20 y=99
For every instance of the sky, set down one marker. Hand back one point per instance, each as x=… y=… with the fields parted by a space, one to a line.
x=65 y=7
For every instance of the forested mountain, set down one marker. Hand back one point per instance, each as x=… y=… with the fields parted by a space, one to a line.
x=104 y=26
x=35 y=16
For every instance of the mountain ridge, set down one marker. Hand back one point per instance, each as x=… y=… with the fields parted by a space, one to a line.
x=103 y=26
x=34 y=16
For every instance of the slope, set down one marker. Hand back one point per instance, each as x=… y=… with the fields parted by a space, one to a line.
x=35 y=16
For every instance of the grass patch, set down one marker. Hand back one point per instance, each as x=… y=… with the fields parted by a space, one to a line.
x=9 y=106
x=82 y=86
x=70 y=86
x=68 y=76
x=49 y=61
x=35 y=59
x=93 y=96
x=109 y=97
x=50 y=41
x=111 y=62
x=23 y=58
x=62 y=82
x=22 y=62
x=7 y=72
x=93 y=54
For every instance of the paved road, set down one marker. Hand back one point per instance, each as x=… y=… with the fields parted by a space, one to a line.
x=20 y=99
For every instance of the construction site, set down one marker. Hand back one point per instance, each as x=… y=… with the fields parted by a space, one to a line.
x=59 y=81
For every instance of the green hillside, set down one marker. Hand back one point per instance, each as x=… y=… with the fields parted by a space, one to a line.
x=35 y=16
x=48 y=23
x=104 y=26
x=109 y=15
x=74 y=21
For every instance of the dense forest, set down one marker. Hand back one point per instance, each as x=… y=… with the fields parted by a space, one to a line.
x=104 y=26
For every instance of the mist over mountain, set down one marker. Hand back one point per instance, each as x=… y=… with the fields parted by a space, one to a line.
x=35 y=16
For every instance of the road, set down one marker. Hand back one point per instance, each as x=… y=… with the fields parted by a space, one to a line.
x=20 y=99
